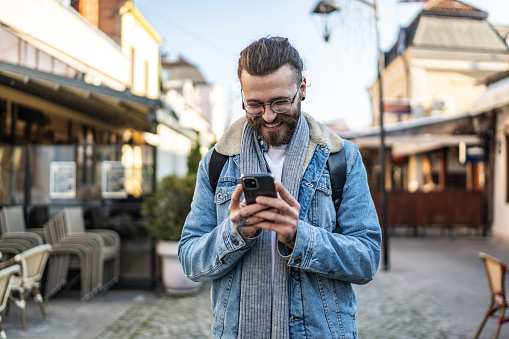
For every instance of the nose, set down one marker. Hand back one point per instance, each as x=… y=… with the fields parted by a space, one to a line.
x=269 y=115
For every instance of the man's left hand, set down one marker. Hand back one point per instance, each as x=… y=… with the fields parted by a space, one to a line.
x=282 y=215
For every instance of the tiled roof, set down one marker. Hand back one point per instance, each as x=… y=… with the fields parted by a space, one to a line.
x=449 y=5
x=503 y=31
x=457 y=33
x=449 y=24
x=181 y=69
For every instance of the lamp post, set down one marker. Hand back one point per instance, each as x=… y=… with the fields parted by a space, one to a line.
x=326 y=7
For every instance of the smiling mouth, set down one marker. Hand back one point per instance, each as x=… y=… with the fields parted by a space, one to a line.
x=272 y=125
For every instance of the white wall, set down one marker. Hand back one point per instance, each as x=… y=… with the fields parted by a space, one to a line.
x=145 y=43
x=172 y=151
x=61 y=32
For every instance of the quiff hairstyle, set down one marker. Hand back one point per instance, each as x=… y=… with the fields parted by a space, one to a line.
x=266 y=55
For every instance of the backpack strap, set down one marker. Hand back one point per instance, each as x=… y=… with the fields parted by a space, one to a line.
x=337 y=169
x=216 y=164
x=336 y=164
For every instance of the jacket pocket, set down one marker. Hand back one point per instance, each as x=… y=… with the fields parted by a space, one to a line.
x=224 y=192
x=323 y=213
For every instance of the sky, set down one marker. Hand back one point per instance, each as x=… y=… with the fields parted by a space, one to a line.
x=211 y=34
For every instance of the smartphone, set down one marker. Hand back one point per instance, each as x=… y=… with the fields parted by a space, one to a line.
x=258 y=184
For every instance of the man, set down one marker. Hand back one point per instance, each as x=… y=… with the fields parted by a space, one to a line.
x=278 y=267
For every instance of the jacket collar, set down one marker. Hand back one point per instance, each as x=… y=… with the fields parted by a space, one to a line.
x=319 y=134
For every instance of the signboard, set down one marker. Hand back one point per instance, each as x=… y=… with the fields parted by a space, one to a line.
x=474 y=154
x=397 y=107
x=113 y=180
x=62 y=180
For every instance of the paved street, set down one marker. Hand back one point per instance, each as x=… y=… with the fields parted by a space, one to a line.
x=436 y=288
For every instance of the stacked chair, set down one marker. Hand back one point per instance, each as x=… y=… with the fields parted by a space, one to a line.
x=6 y=281
x=15 y=238
x=95 y=253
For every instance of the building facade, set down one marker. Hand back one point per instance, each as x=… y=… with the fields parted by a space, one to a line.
x=431 y=76
x=82 y=118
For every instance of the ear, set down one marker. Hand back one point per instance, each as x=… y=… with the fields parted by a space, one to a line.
x=303 y=87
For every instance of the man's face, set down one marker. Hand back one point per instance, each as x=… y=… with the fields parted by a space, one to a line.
x=276 y=129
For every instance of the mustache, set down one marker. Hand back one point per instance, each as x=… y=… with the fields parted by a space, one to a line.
x=280 y=118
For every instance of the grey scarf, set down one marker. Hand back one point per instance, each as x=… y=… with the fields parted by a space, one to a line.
x=264 y=313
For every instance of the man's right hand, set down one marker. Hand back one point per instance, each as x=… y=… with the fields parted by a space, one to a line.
x=240 y=214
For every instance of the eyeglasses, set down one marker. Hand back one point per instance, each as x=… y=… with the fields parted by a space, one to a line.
x=277 y=106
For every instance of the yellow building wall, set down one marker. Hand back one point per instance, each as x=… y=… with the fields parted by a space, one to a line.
x=460 y=87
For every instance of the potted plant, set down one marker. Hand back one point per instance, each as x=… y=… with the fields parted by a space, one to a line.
x=165 y=212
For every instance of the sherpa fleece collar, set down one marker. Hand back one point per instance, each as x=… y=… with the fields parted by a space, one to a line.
x=319 y=134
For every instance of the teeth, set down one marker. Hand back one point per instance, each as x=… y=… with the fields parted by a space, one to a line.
x=273 y=124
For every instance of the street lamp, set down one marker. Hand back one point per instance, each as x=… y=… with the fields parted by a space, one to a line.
x=324 y=8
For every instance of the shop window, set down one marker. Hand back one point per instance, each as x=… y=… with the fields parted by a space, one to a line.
x=85 y=157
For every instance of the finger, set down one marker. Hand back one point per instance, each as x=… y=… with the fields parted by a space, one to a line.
x=273 y=217
x=235 y=200
x=279 y=205
x=285 y=195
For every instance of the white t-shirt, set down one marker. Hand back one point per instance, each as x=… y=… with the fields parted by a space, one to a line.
x=275 y=158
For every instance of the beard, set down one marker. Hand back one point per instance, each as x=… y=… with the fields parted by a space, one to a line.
x=284 y=134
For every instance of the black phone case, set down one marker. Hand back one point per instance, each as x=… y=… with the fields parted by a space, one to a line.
x=265 y=186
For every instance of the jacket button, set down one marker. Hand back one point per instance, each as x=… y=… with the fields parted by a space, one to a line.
x=298 y=259
x=235 y=241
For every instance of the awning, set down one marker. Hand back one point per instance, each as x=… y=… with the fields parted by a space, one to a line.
x=405 y=145
x=496 y=96
x=119 y=109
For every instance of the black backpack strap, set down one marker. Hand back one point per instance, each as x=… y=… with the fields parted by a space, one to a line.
x=216 y=164
x=337 y=170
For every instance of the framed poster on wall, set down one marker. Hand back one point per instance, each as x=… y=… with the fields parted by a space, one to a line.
x=113 y=180
x=62 y=180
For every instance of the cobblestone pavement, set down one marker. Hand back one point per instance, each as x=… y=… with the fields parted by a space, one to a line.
x=436 y=288
x=385 y=311
x=392 y=306
x=169 y=317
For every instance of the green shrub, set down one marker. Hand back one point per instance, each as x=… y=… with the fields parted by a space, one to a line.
x=167 y=209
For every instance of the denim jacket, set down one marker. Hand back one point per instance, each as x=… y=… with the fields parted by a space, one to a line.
x=322 y=266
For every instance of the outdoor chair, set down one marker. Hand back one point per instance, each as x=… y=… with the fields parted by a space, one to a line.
x=6 y=280
x=68 y=254
x=14 y=233
x=108 y=241
x=32 y=264
x=496 y=271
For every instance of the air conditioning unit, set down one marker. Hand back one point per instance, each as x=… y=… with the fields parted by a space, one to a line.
x=442 y=104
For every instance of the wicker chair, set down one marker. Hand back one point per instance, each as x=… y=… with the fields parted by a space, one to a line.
x=32 y=264
x=6 y=280
x=496 y=271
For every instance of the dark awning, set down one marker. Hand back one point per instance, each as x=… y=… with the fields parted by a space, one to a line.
x=118 y=109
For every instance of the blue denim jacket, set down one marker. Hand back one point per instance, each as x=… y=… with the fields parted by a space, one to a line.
x=322 y=266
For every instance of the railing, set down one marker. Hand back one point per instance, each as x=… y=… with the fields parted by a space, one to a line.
x=441 y=208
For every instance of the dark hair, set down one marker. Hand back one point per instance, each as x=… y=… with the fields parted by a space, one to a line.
x=267 y=55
